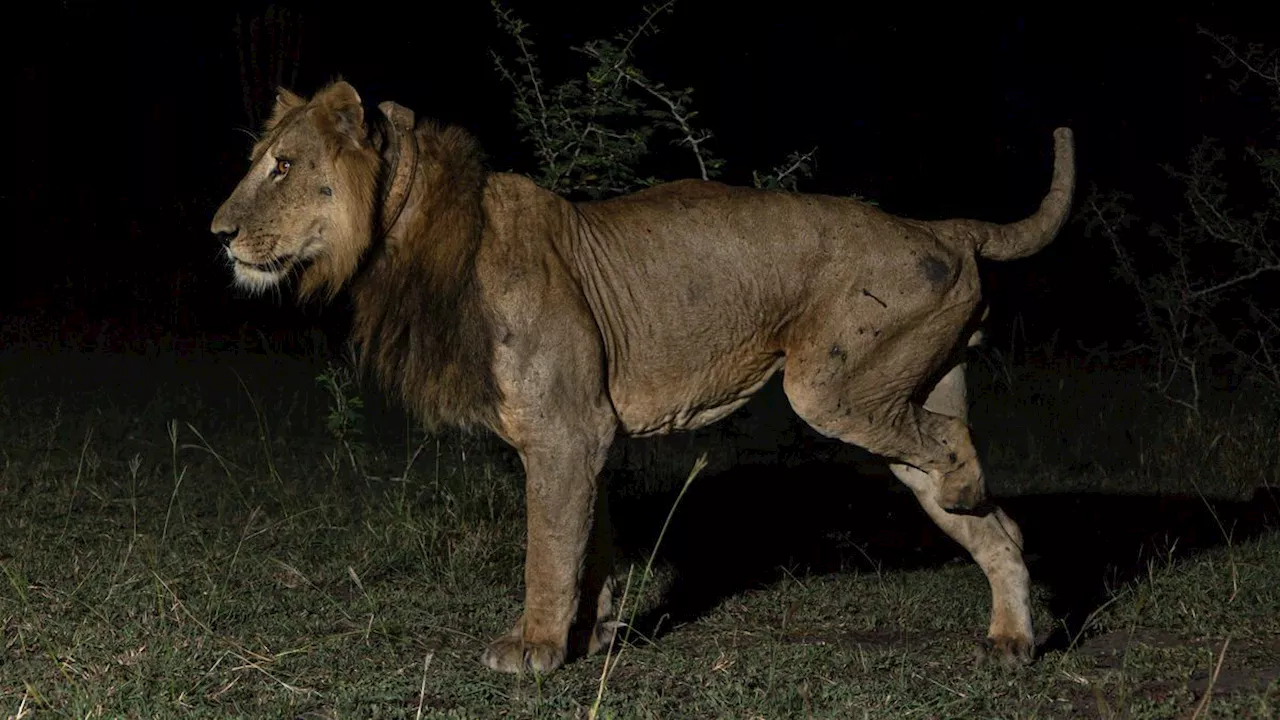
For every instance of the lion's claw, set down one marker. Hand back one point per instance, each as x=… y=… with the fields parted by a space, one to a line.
x=1010 y=652
x=512 y=654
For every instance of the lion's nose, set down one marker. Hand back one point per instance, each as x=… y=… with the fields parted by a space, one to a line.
x=226 y=235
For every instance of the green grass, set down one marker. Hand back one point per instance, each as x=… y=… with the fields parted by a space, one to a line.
x=184 y=537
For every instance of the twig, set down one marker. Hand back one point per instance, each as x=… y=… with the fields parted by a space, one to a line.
x=1219 y=287
x=1271 y=75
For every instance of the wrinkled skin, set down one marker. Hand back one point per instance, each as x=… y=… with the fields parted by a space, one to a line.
x=659 y=311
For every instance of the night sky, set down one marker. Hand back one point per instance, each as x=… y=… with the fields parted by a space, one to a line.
x=130 y=124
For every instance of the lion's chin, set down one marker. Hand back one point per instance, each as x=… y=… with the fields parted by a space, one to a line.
x=257 y=278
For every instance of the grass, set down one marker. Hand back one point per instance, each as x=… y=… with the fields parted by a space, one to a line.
x=187 y=537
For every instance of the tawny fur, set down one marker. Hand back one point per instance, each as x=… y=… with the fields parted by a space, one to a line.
x=488 y=301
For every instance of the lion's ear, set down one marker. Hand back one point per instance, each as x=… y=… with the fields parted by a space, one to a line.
x=342 y=105
x=285 y=101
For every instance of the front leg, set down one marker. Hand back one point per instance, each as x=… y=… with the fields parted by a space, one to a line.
x=549 y=363
x=562 y=469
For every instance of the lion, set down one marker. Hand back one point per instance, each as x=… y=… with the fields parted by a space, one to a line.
x=485 y=301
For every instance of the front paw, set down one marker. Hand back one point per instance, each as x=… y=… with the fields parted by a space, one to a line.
x=1008 y=651
x=602 y=635
x=512 y=654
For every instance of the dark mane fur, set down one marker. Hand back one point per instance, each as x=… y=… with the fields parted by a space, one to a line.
x=420 y=319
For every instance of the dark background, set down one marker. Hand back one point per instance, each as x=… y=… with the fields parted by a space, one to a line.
x=130 y=118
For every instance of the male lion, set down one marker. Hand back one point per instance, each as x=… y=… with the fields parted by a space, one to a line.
x=485 y=300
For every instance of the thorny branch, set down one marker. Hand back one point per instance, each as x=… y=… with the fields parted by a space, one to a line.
x=1198 y=283
x=590 y=134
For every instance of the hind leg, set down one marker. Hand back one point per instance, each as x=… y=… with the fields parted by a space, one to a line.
x=867 y=401
x=993 y=540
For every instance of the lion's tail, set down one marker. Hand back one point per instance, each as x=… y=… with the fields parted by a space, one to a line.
x=1030 y=235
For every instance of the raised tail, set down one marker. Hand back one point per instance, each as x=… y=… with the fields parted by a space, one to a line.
x=1030 y=235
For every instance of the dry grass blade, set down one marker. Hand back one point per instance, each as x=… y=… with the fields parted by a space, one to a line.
x=1213 y=680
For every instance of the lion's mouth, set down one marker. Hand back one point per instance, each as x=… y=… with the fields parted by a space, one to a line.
x=271 y=266
x=261 y=276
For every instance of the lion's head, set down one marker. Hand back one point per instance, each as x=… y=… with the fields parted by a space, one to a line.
x=309 y=202
x=390 y=208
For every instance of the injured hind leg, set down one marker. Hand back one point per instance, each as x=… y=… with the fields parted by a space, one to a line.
x=993 y=540
x=862 y=414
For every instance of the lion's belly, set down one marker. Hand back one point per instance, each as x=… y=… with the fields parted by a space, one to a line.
x=655 y=401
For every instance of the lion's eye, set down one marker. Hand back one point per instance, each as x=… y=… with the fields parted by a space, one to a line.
x=281 y=168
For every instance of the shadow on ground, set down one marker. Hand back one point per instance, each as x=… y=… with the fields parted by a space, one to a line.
x=747 y=525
